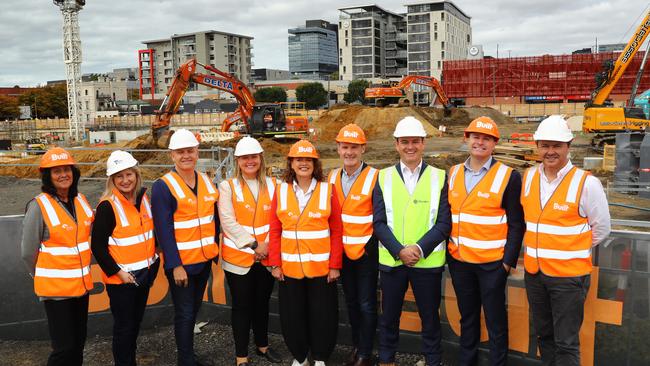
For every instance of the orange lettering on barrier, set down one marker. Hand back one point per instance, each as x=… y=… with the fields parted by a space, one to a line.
x=410 y=320
x=218 y=285
x=99 y=301
x=518 y=323
x=453 y=314
x=160 y=286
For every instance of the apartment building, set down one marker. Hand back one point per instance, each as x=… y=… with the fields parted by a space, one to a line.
x=161 y=58
x=313 y=50
x=377 y=43
x=101 y=93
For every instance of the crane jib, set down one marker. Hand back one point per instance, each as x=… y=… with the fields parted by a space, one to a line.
x=218 y=83
x=637 y=41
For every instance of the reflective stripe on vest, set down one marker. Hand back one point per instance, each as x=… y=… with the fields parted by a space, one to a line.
x=194 y=229
x=479 y=223
x=356 y=210
x=252 y=215
x=558 y=240
x=63 y=264
x=131 y=244
x=305 y=242
x=410 y=216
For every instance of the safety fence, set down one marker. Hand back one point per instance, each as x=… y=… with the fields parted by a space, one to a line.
x=615 y=330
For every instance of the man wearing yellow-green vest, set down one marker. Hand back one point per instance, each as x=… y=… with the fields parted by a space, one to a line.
x=412 y=220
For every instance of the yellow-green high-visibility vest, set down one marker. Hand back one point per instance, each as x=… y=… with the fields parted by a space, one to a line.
x=410 y=216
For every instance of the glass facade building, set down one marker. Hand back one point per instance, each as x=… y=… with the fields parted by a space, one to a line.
x=313 y=50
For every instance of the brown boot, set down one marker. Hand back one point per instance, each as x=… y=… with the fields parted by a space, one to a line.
x=352 y=357
x=363 y=362
x=387 y=364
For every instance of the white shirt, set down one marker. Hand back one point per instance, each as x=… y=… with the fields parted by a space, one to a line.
x=593 y=201
x=410 y=177
x=303 y=197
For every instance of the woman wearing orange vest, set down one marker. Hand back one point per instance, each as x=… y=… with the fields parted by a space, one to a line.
x=55 y=248
x=486 y=233
x=305 y=252
x=124 y=246
x=184 y=207
x=567 y=214
x=354 y=183
x=244 y=211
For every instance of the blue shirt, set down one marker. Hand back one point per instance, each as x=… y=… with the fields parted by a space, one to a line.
x=471 y=177
x=348 y=180
x=163 y=206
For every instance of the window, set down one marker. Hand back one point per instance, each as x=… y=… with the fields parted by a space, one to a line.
x=435 y=36
x=442 y=16
x=439 y=65
x=346 y=33
x=468 y=40
x=435 y=26
x=340 y=52
x=346 y=42
x=442 y=55
x=344 y=69
x=442 y=45
x=86 y=91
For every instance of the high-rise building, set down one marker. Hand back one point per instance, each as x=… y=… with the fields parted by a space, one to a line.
x=270 y=74
x=313 y=50
x=437 y=31
x=374 y=42
x=368 y=38
x=227 y=52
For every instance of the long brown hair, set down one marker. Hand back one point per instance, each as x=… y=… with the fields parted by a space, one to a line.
x=289 y=175
x=110 y=184
x=261 y=174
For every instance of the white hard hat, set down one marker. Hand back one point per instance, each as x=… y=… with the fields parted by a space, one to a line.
x=553 y=128
x=118 y=161
x=181 y=139
x=248 y=146
x=409 y=127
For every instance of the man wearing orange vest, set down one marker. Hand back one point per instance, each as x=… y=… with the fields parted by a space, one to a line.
x=566 y=214
x=184 y=207
x=354 y=184
x=486 y=233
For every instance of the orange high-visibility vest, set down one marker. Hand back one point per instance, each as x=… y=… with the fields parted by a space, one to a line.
x=63 y=264
x=356 y=210
x=131 y=244
x=305 y=243
x=194 y=218
x=479 y=224
x=557 y=239
x=253 y=215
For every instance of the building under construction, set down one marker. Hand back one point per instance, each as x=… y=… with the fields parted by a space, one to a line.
x=539 y=79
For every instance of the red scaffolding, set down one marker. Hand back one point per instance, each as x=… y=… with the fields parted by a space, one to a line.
x=569 y=77
x=146 y=70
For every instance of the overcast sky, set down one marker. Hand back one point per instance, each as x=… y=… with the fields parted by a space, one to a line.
x=112 y=30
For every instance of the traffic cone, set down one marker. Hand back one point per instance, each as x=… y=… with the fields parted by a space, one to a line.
x=621 y=288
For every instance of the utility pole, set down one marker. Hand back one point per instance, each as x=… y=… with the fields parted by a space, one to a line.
x=72 y=60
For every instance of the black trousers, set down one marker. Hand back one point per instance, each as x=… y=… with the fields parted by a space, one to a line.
x=359 y=278
x=426 y=285
x=67 y=320
x=127 y=306
x=250 y=306
x=309 y=316
x=557 y=305
x=479 y=285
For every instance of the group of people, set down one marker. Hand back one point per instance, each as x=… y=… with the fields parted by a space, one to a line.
x=400 y=224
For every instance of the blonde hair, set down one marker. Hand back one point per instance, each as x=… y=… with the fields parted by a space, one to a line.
x=261 y=173
x=110 y=185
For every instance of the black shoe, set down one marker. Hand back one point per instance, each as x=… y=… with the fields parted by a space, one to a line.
x=270 y=355
x=201 y=361
x=352 y=357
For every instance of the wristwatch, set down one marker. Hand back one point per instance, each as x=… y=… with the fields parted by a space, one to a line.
x=254 y=245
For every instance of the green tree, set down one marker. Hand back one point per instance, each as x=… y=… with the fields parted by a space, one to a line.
x=9 y=107
x=313 y=94
x=273 y=94
x=334 y=75
x=356 y=90
x=47 y=102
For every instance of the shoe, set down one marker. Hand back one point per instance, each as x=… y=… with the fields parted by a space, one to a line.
x=319 y=363
x=297 y=363
x=352 y=357
x=271 y=355
x=363 y=362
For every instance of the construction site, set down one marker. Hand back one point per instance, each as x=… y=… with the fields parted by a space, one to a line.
x=610 y=121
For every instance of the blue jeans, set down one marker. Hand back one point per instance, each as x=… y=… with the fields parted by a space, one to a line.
x=187 y=302
x=359 y=279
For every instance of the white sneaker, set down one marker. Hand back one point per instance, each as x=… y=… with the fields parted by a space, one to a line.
x=319 y=363
x=297 y=363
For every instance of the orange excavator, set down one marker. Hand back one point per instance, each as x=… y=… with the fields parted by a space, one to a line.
x=259 y=120
x=383 y=96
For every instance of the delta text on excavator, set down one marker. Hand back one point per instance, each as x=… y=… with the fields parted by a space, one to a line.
x=259 y=120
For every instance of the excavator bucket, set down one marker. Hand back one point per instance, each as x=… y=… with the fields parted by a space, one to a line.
x=161 y=137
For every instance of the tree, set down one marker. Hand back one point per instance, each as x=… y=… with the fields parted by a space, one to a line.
x=273 y=94
x=47 y=102
x=356 y=90
x=334 y=75
x=312 y=94
x=9 y=107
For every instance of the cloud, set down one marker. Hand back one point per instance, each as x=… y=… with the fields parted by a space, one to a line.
x=113 y=30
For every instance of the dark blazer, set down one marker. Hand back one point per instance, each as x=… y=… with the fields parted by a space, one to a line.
x=516 y=223
x=428 y=242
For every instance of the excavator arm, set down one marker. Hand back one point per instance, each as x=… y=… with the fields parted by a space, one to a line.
x=429 y=81
x=612 y=73
x=185 y=75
